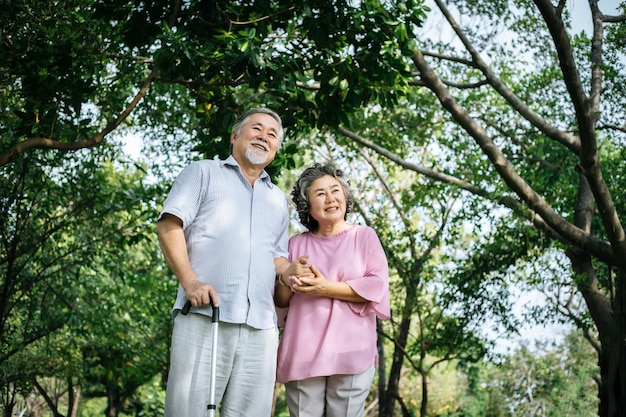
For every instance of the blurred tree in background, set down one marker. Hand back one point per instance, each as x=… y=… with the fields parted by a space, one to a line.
x=485 y=140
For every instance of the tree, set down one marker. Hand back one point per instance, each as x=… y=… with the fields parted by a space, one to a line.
x=550 y=380
x=415 y=221
x=592 y=230
x=82 y=283
x=516 y=129
x=100 y=59
x=573 y=209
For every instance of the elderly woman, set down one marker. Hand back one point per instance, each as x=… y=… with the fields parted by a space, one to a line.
x=327 y=353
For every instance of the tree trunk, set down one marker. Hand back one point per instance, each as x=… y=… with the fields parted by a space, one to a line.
x=387 y=402
x=612 y=384
x=606 y=313
x=382 y=368
x=612 y=389
x=75 y=399
x=112 y=409
x=424 y=404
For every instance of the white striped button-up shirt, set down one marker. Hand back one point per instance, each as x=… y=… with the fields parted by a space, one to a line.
x=234 y=232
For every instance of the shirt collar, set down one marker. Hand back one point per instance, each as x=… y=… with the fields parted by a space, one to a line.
x=232 y=162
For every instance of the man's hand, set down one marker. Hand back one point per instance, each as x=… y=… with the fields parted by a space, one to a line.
x=201 y=294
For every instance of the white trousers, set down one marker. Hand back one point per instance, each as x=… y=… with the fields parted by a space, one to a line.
x=246 y=369
x=329 y=396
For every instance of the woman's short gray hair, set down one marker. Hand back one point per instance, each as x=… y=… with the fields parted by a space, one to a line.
x=300 y=192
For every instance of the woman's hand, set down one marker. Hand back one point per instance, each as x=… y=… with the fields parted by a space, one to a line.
x=320 y=286
x=311 y=284
x=290 y=276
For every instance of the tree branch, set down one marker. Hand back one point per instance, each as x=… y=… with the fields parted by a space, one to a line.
x=539 y=122
x=613 y=127
x=460 y=86
x=450 y=58
x=506 y=201
x=587 y=111
x=37 y=142
x=568 y=231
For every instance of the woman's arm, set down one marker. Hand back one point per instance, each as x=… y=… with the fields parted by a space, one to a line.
x=322 y=287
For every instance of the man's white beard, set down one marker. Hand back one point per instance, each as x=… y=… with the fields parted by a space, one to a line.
x=256 y=156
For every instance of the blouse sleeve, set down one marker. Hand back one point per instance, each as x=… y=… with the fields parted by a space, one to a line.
x=374 y=284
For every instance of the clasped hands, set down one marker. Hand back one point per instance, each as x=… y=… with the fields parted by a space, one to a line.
x=304 y=278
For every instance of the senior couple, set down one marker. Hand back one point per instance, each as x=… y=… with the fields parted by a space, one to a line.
x=223 y=231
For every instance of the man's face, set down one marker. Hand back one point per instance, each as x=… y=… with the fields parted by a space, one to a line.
x=257 y=141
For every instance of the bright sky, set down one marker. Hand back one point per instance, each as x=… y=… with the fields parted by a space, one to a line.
x=581 y=16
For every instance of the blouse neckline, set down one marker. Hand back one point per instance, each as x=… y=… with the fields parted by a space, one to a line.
x=336 y=235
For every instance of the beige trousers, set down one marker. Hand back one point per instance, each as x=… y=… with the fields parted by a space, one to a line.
x=329 y=396
x=246 y=369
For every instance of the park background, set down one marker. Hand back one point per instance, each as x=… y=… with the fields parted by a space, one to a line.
x=484 y=140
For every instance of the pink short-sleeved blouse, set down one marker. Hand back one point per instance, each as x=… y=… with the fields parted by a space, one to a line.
x=324 y=336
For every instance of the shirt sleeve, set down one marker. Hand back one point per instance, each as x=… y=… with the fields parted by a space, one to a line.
x=282 y=243
x=183 y=200
x=374 y=285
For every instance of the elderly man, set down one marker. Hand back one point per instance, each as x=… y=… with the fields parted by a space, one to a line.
x=223 y=230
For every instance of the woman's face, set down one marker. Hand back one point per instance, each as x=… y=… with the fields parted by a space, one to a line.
x=327 y=201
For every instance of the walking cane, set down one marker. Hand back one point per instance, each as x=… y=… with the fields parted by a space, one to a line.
x=215 y=322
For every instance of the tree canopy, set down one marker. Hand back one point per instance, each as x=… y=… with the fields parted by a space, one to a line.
x=495 y=131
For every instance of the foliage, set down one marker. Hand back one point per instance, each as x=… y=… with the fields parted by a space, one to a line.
x=551 y=380
x=494 y=149
x=79 y=260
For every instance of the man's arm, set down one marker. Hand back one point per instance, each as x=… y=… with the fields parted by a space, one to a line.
x=174 y=247
x=300 y=268
x=282 y=293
